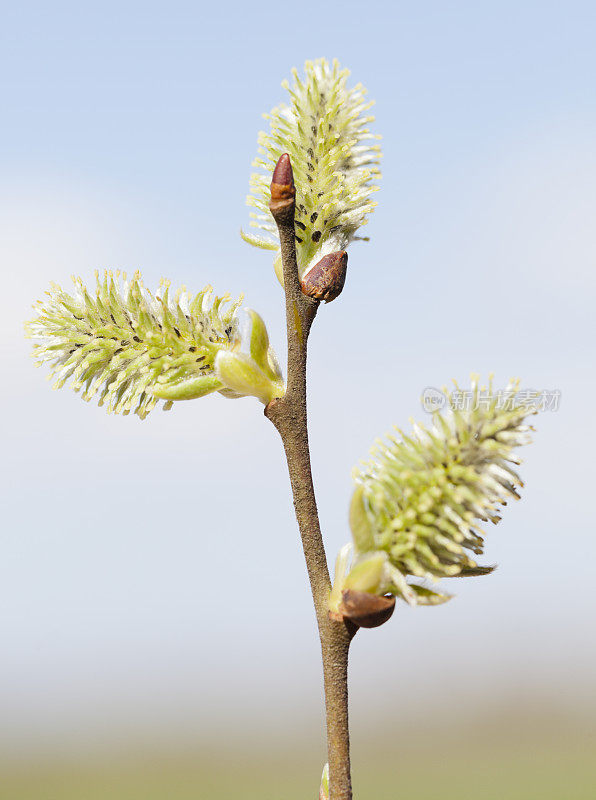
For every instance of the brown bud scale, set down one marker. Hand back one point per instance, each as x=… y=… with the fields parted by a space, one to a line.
x=326 y=279
x=283 y=174
x=366 y=610
x=283 y=191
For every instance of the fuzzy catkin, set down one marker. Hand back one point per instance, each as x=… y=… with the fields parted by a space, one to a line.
x=334 y=158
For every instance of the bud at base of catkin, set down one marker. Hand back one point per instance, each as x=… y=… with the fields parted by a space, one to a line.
x=325 y=280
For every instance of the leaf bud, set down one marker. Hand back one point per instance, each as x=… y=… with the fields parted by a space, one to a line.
x=283 y=191
x=366 y=610
x=326 y=279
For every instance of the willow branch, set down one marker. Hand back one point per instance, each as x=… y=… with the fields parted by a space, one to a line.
x=289 y=415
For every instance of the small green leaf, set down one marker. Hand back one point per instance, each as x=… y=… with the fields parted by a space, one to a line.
x=188 y=390
x=362 y=530
x=368 y=574
x=324 y=790
x=240 y=373
x=426 y=597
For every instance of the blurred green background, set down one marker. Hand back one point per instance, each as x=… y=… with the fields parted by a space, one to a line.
x=518 y=756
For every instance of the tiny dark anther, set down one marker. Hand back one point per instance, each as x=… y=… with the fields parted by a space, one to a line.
x=192 y=349
x=177 y=332
x=136 y=339
x=199 y=359
x=314 y=216
x=301 y=225
x=298 y=239
x=316 y=235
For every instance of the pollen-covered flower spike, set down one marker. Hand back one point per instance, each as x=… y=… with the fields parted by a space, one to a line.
x=419 y=501
x=335 y=159
x=134 y=348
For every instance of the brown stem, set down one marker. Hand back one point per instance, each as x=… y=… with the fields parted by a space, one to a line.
x=289 y=416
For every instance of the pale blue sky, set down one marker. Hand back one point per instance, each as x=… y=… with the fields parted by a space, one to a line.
x=126 y=139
